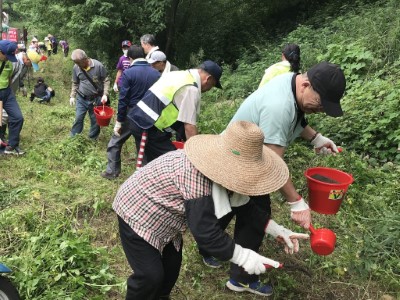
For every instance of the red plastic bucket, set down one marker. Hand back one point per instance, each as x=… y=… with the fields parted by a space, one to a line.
x=326 y=189
x=103 y=115
x=178 y=145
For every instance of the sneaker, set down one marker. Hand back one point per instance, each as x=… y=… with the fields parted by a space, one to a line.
x=257 y=287
x=15 y=151
x=109 y=176
x=211 y=262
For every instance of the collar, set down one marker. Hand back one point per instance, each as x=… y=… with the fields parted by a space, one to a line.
x=139 y=61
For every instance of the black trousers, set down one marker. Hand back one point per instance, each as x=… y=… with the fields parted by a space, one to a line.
x=158 y=142
x=251 y=220
x=154 y=274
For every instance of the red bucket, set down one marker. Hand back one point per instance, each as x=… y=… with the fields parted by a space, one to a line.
x=103 y=115
x=178 y=145
x=326 y=189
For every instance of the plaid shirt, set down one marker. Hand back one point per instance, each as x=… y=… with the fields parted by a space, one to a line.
x=151 y=200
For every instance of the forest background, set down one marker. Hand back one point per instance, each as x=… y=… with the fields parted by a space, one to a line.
x=57 y=229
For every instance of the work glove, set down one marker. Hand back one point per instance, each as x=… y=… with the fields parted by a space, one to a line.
x=323 y=145
x=300 y=213
x=250 y=261
x=117 y=128
x=104 y=99
x=72 y=101
x=282 y=234
x=115 y=87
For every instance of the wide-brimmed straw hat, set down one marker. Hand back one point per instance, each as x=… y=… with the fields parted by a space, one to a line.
x=238 y=160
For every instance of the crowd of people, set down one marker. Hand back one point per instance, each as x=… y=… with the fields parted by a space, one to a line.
x=215 y=177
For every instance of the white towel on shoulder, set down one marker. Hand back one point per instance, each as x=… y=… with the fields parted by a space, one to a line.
x=222 y=203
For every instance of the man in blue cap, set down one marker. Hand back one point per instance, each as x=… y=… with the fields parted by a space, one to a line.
x=10 y=104
x=170 y=106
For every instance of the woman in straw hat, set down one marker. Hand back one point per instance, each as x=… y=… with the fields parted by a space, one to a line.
x=194 y=187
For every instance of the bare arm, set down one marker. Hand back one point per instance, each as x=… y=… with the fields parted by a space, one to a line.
x=288 y=190
x=300 y=212
x=190 y=130
x=308 y=133
x=119 y=73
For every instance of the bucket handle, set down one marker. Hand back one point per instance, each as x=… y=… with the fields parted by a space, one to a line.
x=312 y=229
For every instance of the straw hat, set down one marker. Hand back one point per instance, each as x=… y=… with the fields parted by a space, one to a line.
x=238 y=160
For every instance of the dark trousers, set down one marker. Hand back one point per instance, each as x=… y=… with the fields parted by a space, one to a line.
x=251 y=220
x=158 y=142
x=15 y=118
x=114 y=148
x=154 y=274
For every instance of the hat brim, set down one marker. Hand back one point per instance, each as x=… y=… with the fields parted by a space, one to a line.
x=331 y=108
x=252 y=178
x=11 y=58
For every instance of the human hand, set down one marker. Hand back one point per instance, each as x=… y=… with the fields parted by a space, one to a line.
x=115 y=87
x=117 y=128
x=250 y=261
x=104 y=99
x=300 y=213
x=72 y=101
x=282 y=234
x=323 y=145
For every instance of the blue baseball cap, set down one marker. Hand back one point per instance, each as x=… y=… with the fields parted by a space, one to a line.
x=8 y=48
x=214 y=70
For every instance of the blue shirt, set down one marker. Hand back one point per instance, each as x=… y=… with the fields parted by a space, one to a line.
x=273 y=108
x=135 y=81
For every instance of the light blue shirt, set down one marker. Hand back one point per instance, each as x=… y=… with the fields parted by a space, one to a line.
x=273 y=108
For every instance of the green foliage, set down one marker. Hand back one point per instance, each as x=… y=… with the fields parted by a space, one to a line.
x=54 y=260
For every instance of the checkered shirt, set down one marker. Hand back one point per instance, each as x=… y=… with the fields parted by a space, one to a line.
x=151 y=201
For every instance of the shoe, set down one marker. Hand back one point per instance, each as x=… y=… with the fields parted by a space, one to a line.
x=15 y=151
x=211 y=262
x=3 y=143
x=109 y=176
x=257 y=287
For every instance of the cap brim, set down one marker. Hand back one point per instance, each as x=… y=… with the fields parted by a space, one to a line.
x=11 y=58
x=332 y=109
x=151 y=61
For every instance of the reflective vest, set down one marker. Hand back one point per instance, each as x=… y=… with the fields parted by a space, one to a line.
x=275 y=70
x=157 y=107
x=6 y=74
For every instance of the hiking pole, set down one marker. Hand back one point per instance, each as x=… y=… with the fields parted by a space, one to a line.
x=143 y=142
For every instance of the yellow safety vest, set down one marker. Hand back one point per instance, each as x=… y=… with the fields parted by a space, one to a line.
x=160 y=110
x=6 y=74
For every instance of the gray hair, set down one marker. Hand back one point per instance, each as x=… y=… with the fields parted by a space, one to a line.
x=78 y=54
x=148 y=39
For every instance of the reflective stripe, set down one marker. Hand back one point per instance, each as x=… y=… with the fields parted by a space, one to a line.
x=164 y=100
x=151 y=113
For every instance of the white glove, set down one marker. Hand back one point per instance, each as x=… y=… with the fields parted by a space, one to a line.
x=104 y=99
x=300 y=213
x=117 y=128
x=290 y=238
x=115 y=87
x=323 y=145
x=250 y=261
x=72 y=101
